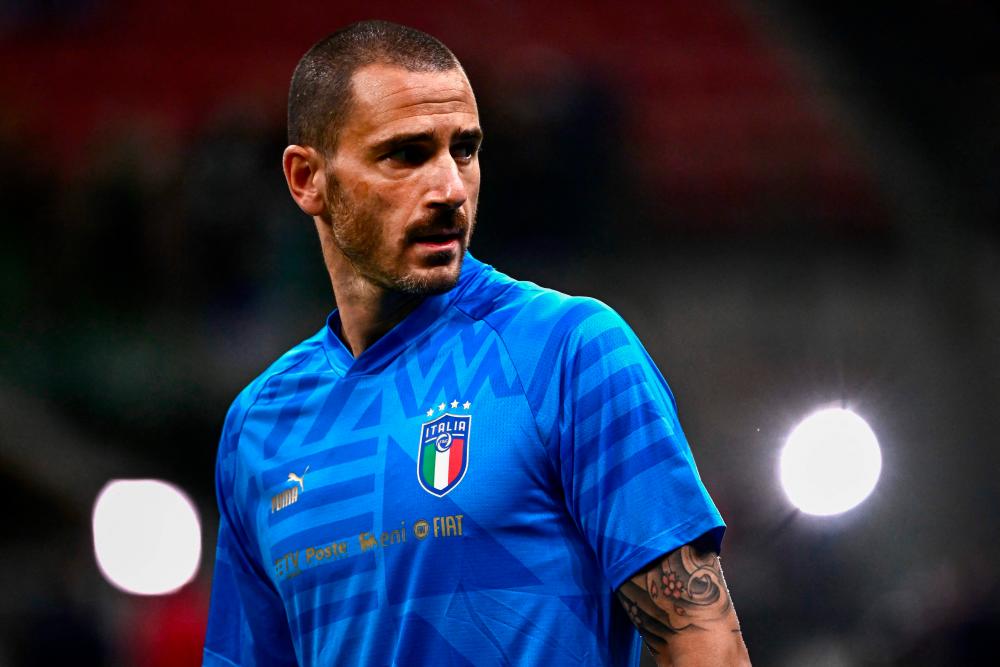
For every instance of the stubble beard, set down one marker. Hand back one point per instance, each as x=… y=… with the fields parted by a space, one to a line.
x=359 y=235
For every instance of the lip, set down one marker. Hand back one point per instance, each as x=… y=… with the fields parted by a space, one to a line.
x=442 y=239
x=438 y=244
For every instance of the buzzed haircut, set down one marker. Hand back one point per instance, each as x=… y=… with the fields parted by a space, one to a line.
x=320 y=94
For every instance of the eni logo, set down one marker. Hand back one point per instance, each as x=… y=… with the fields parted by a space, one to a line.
x=291 y=495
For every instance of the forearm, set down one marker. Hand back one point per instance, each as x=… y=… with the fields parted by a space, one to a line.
x=726 y=649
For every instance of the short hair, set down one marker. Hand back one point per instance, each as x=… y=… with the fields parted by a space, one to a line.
x=320 y=94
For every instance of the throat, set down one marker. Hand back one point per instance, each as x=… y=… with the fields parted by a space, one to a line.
x=364 y=321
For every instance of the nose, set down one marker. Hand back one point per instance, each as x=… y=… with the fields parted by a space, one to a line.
x=447 y=186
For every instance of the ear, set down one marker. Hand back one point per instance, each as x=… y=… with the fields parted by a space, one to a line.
x=303 y=166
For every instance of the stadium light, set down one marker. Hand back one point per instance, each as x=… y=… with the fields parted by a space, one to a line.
x=147 y=536
x=830 y=463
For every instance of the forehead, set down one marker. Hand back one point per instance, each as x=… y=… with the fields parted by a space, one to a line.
x=387 y=99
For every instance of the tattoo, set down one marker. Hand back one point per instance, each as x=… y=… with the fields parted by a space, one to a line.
x=683 y=591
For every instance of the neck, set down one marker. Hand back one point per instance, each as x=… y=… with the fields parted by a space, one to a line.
x=367 y=310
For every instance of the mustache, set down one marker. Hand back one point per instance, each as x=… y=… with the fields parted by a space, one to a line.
x=443 y=222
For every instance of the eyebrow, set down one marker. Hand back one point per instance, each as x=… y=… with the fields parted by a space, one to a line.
x=470 y=134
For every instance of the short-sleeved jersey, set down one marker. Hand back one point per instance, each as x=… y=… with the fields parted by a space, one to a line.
x=470 y=490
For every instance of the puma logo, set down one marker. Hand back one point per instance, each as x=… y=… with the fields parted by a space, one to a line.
x=299 y=479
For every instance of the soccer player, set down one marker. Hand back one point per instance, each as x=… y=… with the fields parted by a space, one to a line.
x=458 y=468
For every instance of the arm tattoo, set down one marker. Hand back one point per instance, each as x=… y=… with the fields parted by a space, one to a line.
x=684 y=591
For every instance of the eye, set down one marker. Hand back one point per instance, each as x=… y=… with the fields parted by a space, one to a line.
x=408 y=155
x=465 y=150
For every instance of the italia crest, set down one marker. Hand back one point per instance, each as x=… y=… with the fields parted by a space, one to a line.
x=443 y=458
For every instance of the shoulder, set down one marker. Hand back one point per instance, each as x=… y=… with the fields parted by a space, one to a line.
x=528 y=314
x=555 y=342
x=304 y=357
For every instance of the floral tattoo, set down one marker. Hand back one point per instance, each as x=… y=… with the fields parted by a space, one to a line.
x=684 y=590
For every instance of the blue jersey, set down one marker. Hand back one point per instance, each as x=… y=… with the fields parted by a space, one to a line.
x=470 y=490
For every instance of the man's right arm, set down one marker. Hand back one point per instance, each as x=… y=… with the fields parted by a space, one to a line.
x=247 y=624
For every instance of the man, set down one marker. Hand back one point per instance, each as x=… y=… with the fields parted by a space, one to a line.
x=458 y=469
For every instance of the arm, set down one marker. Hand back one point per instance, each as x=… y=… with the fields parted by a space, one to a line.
x=246 y=620
x=619 y=447
x=682 y=609
x=247 y=624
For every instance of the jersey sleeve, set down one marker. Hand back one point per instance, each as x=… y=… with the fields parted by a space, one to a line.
x=628 y=473
x=247 y=625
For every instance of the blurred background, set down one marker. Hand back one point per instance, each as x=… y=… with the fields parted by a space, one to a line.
x=794 y=204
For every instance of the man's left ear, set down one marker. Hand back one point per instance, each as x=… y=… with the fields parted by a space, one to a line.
x=303 y=167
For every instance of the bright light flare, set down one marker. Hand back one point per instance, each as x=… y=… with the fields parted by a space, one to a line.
x=147 y=536
x=830 y=463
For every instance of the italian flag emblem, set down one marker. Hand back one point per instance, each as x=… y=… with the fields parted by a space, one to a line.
x=443 y=458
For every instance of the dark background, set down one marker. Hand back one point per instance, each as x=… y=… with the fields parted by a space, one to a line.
x=793 y=204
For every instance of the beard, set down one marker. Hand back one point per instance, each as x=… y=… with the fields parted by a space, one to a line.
x=359 y=235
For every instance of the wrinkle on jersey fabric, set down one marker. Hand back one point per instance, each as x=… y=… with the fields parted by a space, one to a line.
x=471 y=490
